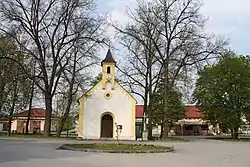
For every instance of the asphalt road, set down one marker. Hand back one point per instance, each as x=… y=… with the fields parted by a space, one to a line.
x=25 y=151
x=205 y=153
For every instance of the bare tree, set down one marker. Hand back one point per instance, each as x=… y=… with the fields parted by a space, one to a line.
x=75 y=76
x=181 y=46
x=141 y=69
x=45 y=30
x=16 y=92
x=15 y=86
x=31 y=97
x=5 y=68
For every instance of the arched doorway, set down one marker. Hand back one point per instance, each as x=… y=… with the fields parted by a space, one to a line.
x=107 y=126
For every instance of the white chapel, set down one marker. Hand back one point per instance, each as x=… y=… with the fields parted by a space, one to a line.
x=106 y=107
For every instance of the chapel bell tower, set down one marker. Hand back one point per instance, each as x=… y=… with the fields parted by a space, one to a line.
x=108 y=70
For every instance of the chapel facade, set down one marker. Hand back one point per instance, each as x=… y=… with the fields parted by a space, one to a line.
x=106 y=107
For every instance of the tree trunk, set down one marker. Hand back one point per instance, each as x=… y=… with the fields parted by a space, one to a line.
x=48 y=106
x=162 y=127
x=2 y=86
x=150 y=127
x=232 y=133
x=166 y=128
x=15 y=91
x=30 y=107
x=150 y=114
x=166 y=98
x=70 y=99
x=9 y=125
x=65 y=115
x=170 y=126
x=235 y=133
x=145 y=110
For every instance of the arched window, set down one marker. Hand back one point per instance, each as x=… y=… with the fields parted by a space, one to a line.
x=108 y=70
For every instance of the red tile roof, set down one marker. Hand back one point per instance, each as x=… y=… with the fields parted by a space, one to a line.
x=191 y=111
x=35 y=112
x=139 y=111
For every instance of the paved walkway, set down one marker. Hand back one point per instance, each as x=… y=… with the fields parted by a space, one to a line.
x=199 y=153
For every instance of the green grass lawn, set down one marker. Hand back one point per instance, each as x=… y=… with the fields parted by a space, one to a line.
x=114 y=147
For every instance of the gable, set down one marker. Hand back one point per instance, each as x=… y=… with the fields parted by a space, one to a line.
x=93 y=88
x=125 y=91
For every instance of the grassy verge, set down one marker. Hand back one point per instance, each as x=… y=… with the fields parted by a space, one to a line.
x=229 y=139
x=116 y=148
x=37 y=136
x=172 y=139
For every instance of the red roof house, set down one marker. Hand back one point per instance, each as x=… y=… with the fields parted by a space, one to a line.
x=139 y=111
x=35 y=112
x=37 y=120
x=191 y=112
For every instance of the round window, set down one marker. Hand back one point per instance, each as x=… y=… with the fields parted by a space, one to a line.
x=107 y=95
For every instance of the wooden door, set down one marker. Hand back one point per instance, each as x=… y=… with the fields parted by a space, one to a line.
x=107 y=126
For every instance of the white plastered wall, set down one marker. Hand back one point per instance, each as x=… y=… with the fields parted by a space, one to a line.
x=120 y=105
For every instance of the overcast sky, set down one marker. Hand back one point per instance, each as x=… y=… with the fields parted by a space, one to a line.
x=228 y=18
